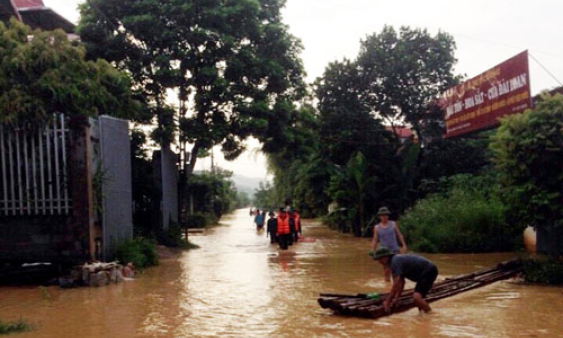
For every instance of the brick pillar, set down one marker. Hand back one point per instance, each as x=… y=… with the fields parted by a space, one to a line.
x=81 y=222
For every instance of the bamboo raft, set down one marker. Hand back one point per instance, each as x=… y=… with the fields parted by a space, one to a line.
x=361 y=305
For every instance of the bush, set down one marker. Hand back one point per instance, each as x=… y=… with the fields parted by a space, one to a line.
x=140 y=251
x=202 y=219
x=528 y=151
x=544 y=271
x=175 y=238
x=466 y=217
x=339 y=220
x=19 y=326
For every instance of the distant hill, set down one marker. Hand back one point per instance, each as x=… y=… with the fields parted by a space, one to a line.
x=244 y=183
x=247 y=184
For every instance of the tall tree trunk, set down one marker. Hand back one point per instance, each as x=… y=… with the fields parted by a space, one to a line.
x=193 y=159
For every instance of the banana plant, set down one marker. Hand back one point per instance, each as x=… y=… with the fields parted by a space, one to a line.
x=350 y=187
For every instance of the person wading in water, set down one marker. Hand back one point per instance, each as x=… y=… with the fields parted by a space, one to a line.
x=297 y=221
x=413 y=267
x=272 y=228
x=387 y=233
x=283 y=231
x=259 y=220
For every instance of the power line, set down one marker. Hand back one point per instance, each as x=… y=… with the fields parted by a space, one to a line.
x=546 y=70
x=456 y=34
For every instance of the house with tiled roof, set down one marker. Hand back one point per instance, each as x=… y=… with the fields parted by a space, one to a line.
x=403 y=133
x=35 y=14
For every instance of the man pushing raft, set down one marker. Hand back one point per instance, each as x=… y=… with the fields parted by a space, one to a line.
x=413 y=267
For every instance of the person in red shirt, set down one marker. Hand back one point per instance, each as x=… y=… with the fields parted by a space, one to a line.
x=283 y=231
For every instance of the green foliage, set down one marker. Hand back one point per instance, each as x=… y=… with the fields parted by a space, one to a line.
x=448 y=157
x=19 y=326
x=140 y=251
x=345 y=123
x=340 y=219
x=232 y=64
x=142 y=179
x=350 y=187
x=397 y=76
x=242 y=200
x=310 y=190
x=174 y=238
x=212 y=193
x=292 y=161
x=544 y=271
x=528 y=151
x=403 y=73
x=42 y=73
x=201 y=219
x=466 y=216
x=264 y=197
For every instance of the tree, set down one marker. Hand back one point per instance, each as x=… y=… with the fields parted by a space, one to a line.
x=403 y=75
x=345 y=122
x=215 y=192
x=42 y=73
x=346 y=127
x=528 y=151
x=264 y=196
x=310 y=191
x=242 y=200
x=449 y=157
x=144 y=190
x=232 y=65
x=350 y=188
x=396 y=79
x=289 y=158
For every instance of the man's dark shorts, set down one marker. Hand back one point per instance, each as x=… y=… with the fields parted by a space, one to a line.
x=426 y=281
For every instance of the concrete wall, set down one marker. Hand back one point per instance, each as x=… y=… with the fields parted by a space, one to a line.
x=117 y=209
x=166 y=184
x=169 y=188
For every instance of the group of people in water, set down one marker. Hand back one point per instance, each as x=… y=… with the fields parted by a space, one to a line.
x=284 y=228
x=388 y=247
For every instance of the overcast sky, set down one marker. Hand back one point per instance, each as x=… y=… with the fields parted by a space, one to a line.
x=486 y=32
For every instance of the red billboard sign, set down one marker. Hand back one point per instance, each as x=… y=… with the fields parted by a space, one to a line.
x=479 y=103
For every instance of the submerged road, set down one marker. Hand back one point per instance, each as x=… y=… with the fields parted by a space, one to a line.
x=238 y=285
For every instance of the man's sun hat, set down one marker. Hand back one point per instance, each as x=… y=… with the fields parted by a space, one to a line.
x=381 y=252
x=383 y=211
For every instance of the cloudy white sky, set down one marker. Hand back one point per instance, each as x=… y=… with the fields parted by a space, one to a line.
x=486 y=32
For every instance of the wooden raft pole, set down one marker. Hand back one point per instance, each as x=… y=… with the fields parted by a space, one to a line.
x=361 y=306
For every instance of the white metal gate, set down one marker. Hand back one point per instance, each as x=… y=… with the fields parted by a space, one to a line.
x=34 y=170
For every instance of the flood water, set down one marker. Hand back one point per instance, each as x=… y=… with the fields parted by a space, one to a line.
x=238 y=285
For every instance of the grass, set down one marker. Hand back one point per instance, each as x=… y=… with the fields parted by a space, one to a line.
x=188 y=245
x=14 y=327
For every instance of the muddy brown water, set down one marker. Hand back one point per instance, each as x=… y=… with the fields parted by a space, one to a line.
x=238 y=285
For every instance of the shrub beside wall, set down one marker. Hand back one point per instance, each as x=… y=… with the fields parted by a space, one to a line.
x=544 y=271
x=141 y=251
x=467 y=216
